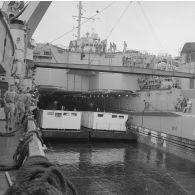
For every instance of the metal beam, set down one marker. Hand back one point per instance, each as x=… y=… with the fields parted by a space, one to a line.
x=33 y=14
x=115 y=69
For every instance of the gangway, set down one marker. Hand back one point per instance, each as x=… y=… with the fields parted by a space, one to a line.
x=115 y=69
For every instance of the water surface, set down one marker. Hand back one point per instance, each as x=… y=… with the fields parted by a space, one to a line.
x=123 y=168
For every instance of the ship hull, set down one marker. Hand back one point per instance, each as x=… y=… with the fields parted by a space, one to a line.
x=168 y=131
x=171 y=144
x=85 y=134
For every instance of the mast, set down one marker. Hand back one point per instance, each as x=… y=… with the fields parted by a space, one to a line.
x=79 y=19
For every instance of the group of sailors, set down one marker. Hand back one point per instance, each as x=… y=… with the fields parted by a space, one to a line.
x=17 y=104
x=164 y=66
x=96 y=46
x=139 y=60
x=183 y=105
x=112 y=47
x=157 y=82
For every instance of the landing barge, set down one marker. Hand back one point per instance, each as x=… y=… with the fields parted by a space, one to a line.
x=84 y=126
x=144 y=86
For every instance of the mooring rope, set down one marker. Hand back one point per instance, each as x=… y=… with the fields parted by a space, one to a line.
x=39 y=176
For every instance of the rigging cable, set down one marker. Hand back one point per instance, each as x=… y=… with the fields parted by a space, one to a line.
x=151 y=27
x=124 y=11
x=39 y=176
x=88 y=19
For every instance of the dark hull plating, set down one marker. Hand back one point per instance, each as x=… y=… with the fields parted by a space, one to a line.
x=175 y=145
x=88 y=135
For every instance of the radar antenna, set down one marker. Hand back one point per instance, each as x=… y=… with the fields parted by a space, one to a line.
x=80 y=17
x=80 y=7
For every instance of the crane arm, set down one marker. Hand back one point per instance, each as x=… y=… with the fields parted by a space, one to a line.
x=33 y=14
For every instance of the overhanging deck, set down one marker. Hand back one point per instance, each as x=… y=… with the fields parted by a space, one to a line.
x=115 y=69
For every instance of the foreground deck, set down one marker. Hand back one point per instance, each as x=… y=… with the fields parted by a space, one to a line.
x=7 y=148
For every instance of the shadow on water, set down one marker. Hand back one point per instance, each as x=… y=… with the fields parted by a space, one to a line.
x=122 y=168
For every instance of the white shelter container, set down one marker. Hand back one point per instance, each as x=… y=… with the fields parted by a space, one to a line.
x=50 y=119
x=71 y=120
x=118 y=122
x=104 y=121
x=101 y=120
x=96 y=120
x=59 y=119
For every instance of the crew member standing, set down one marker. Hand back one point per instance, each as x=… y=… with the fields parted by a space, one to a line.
x=21 y=101
x=9 y=106
x=29 y=102
x=53 y=105
x=111 y=47
x=114 y=47
x=189 y=106
x=125 y=47
x=91 y=106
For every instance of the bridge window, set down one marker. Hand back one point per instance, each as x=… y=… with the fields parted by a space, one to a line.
x=47 y=53
x=60 y=51
x=190 y=57
x=36 y=52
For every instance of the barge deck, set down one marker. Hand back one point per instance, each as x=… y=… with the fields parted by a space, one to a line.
x=86 y=134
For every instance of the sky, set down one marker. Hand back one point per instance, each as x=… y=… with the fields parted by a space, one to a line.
x=152 y=26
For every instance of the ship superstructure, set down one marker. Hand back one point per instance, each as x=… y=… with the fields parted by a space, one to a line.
x=143 y=92
x=149 y=100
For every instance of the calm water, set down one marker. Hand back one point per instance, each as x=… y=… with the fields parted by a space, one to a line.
x=123 y=168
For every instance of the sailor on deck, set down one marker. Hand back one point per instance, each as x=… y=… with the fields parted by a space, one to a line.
x=114 y=47
x=188 y=107
x=30 y=102
x=111 y=47
x=71 y=46
x=9 y=102
x=20 y=105
x=125 y=47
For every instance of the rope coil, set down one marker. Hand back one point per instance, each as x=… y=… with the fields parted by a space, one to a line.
x=39 y=176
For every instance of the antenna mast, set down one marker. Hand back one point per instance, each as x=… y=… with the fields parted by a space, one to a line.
x=80 y=17
x=79 y=20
